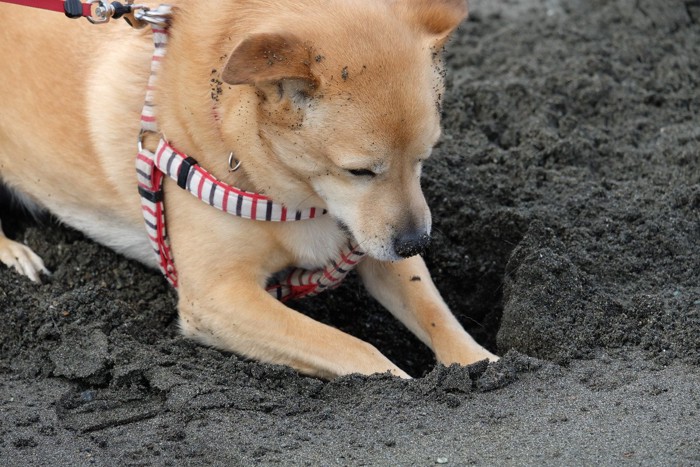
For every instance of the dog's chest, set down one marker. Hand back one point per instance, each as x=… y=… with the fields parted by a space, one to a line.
x=314 y=243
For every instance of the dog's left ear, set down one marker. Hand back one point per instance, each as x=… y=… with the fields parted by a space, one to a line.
x=266 y=58
x=438 y=18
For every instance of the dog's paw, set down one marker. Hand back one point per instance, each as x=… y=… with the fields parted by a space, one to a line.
x=486 y=355
x=22 y=259
x=492 y=358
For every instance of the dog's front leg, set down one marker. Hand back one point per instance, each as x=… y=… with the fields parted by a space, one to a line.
x=245 y=319
x=406 y=289
x=21 y=258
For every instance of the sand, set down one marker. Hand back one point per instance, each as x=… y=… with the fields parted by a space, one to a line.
x=566 y=201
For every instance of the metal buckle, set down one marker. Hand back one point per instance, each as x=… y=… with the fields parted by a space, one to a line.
x=154 y=16
x=103 y=11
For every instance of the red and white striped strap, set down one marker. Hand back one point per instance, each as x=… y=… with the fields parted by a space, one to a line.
x=152 y=168
x=296 y=283
x=153 y=209
x=148 y=113
x=192 y=177
x=150 y=180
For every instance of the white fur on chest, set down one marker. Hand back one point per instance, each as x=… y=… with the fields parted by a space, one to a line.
x=314 y=243
x=111 y=231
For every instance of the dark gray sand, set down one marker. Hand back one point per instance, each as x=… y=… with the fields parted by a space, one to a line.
x=566 y=201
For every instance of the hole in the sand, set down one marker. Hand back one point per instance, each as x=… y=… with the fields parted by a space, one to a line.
x=468 y=267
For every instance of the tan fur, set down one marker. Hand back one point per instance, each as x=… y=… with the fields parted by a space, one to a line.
x=301 y=92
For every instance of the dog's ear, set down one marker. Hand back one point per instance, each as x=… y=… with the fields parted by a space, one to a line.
x=267 y=58
x=438 y=18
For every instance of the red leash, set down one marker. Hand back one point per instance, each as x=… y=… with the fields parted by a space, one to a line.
x=72 y=8
x=95 y=11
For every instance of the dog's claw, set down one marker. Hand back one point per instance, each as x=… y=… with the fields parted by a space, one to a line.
x=22 y=259
x=400 y=373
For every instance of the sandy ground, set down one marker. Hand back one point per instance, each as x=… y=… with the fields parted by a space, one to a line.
x=566 y=199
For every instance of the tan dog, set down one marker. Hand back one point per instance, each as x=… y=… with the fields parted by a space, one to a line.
x=326 y=103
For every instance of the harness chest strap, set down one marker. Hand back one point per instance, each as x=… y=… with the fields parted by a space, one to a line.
x=190 y=176
x=151 y=169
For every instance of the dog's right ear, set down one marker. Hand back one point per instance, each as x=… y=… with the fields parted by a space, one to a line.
x=266 y=58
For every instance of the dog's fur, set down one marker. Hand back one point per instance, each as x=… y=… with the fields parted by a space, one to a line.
x=302 y=92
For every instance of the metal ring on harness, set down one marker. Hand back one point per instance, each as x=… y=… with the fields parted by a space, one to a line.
x=231 y=166
x=142 y=132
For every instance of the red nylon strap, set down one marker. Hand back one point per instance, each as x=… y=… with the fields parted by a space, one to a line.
x=51 y=5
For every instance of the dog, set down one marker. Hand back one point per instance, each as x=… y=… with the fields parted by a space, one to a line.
x=323 y=105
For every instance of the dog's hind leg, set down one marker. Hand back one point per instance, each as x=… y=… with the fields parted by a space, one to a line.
x=21 y=258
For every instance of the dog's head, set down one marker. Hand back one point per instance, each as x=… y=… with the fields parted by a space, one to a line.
x=349 y=104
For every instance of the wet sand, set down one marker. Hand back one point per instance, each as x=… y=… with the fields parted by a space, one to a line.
x=566 y=201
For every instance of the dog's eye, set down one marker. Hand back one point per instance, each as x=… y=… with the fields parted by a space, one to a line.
x=362 y=172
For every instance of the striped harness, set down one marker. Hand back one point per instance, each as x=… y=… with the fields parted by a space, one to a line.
x=166 y=161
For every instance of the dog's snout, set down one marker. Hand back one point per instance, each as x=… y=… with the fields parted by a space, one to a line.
x=411 y=243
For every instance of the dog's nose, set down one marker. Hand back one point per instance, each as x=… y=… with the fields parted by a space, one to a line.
x=411 y=243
